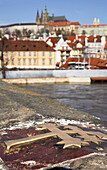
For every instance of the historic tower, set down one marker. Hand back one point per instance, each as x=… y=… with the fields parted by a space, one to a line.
x=37 y=18
x=44 y=17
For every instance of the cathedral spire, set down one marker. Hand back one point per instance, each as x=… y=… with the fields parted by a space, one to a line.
x=45 y=11
x=37 y=18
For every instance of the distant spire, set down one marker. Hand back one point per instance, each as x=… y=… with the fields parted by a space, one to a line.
x=53 y=13
x=98 y=22
x=95 y=21
x=37 y=17
x=45 y=11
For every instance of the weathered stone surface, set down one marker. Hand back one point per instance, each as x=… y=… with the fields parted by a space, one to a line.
x=18 y=104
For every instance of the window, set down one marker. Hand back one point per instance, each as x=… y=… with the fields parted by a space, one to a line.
x=43 y=54
x=24 y=61
x=34 y=53
x=18 y=53
x=12 y=54
x=29 y=61
x=12 y=61
x=50 y=54
x=18 y=61
x=43 y=61
x=24 y=54
x=6 y=54
x=29 y=53
x=6 y=61
x=34 y=61
x=50 y=61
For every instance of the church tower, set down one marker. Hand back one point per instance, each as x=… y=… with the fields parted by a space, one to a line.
x=98 y=22
x=37 y=18
x=45 y=16
x=95 y=21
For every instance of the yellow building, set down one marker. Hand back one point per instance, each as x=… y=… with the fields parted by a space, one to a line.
x=28 y=54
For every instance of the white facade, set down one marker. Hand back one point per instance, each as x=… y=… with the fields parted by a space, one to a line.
x=20 y=27
x=93 y=30
x=92 y=48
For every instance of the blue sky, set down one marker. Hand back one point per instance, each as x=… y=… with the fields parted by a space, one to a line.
x=24 y=11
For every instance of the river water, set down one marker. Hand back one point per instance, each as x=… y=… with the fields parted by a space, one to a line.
x=88 y=98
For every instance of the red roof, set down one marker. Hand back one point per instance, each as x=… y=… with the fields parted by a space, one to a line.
x=26 y=45
x=92 y=38
x=64 y=23
x=95 y=62
x=105 y=45
x=74 y=41
x=101 y=25
x=54 y=40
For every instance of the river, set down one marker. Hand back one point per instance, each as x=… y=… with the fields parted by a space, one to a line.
x=88 y=98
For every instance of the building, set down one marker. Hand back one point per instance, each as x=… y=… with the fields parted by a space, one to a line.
x=77 y=43
x=45 y=18
x=85 y=63
x=94 y=45
x=24 y=54
x=95 y=29
x=20 y=29
x=62 y=49
x=44 y=23
x=103 y=54
x=56 y=24
x=65 y=27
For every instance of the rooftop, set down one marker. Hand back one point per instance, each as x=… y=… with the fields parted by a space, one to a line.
x=26 y=45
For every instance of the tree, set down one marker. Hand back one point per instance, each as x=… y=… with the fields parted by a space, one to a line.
x=6 y=31
x=0 y=33
x=25 y=32
x=58 y=32
x=83 y=32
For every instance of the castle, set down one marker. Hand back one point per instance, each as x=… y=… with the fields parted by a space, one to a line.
x=45 y=18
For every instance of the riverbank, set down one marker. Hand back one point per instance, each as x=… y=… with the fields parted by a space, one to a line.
x=20 y=105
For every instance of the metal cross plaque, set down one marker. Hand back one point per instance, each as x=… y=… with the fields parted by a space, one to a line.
x=71 y=136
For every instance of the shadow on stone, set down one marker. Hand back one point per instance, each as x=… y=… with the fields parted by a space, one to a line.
x=59 y=168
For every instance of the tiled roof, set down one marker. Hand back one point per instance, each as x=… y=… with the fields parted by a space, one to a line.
x=74 y=41
x=26 y=45
x=92 y=38
x=65 y=23
x=71 y=38
x=54 y=40
x=101 y=25
x=95 y=62
x=105 y=45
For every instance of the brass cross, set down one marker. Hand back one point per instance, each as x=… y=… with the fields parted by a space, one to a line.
x=64 y=135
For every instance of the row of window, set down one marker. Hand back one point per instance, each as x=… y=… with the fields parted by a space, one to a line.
x=104 y=57
x=24 y=54
x=30 y=61
x=94 y=44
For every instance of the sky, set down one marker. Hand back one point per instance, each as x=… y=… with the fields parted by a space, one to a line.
x=24 y=11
